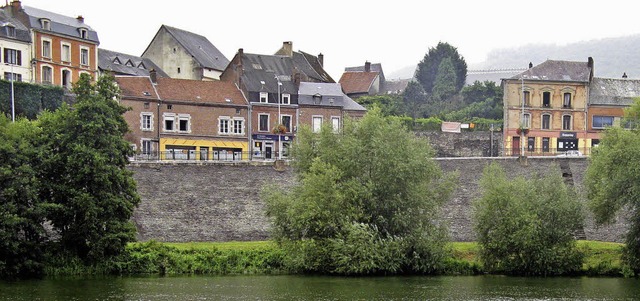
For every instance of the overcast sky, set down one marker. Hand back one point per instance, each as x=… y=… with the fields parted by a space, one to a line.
x=395 y=33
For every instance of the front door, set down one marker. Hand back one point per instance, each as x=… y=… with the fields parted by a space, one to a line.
x=515 y=149
x=268 y=149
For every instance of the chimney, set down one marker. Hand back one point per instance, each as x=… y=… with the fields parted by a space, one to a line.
x=16 y=6
x=590 y=62
x=287 y=48
x=624 y=75
x=321 y=59
x=153 y=75
x=80 y=19
x=530 y=65
x=367 y=66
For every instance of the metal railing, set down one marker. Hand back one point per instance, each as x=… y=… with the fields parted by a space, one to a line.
x=192 y=155
x=546 y=151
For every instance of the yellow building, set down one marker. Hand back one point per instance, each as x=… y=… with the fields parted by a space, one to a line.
x=545 y=109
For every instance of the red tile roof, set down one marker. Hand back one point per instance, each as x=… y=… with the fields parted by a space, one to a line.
x=200 y=91
x=136 y=86
x=357 y=82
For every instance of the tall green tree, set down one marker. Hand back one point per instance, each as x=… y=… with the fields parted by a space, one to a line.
x=414 y=99
x=367 y=202
x=427 y=70
x=613 y=181
x=525 y=227
x=83 y=172
x=22 y=212
x=445 y=84
x=391 y=105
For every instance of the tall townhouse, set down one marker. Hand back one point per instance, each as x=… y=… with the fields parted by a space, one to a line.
x=63 y=47
x=321 y=103
x=15 y=49
x=179 y=119
x=270 y=83
x=545 y=108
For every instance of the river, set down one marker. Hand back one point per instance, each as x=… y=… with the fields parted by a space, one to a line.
x=323 y=288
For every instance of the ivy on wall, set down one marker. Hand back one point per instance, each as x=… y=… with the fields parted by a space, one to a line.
x=29 y=99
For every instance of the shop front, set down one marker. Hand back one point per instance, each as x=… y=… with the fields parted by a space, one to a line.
x=266 y=146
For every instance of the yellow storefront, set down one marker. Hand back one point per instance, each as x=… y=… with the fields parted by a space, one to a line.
x=196 y=149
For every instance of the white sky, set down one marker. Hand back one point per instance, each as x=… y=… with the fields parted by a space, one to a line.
x=395 y=33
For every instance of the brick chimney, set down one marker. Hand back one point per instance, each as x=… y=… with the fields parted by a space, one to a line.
x=287 y=48
x=321 y=59
x=367 y=66
x=153 y=75
x=16 y=6
x=80 y=19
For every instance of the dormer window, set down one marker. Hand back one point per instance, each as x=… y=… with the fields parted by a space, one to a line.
x=129 y=63
x=117 y=61
x=142 y=66
x=84 y=33
x=45 y=24
x=10 y=30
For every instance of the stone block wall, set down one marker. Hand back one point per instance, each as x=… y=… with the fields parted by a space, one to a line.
x=465 y=144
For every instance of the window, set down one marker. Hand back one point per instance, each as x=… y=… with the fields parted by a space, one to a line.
x=223 y=125
x=65 y=54
x=546 y=121
x=12 y=56
x=566 y=122
x=45 y=24
x=264 y=97
x=169 y=122
x=146 y=121
x=184 y=124
x=15 y=76
x=10 y=30
x=84 y=56
x=286 y=121
x=527 y=98
x=263 y=122
x=47 y=75
x=531 y=144
x=83 y=33
x=545 y=144
x=566 y=103
x=526 y=120
x=238 y=126
x=316 y=124
x=66 y=78
x=178 y=70
x=546 y=99
x=600 y=122
x=286 y=99
x=146 y=146
x=335 y=123
x=46 y=48
x=169 y=107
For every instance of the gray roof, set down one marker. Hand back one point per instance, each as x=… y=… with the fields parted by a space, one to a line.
x=22 y=32
x=264 y=68
x=125 y=64
x=551 y=70
x=377 y=67
x=613 y=91
x=352 y=105
x=492 y=75
x=309 y=65
x=59 y=24
x=207 y=55
x=330 y=94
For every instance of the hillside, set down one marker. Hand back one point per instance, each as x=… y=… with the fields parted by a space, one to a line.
x=612 y=56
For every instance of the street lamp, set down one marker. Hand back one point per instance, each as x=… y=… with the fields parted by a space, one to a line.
x=279 y=120
x=522 y=120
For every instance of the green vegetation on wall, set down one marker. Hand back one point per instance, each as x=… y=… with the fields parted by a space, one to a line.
x=29 y=99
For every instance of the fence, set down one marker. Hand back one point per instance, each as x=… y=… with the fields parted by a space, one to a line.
x=192 y=155
x=547 y=152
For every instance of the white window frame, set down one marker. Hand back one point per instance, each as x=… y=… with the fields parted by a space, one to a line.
x=42 y=68
x=227 y=120
x=179 y=119
x=335 y=123
x=233 y=125
x=290 y=129
x=88 y=60
x=46 y=51
x=142 y=121
x=62 y=70
x=169 y=116
x=613 y=121
x=286 y=99
x=45 y=24
x=526 y=119
x=65 y=58
x=143 y=150
x=314 y=128
x=84 y=33
x=264 y=97
x=268 y=122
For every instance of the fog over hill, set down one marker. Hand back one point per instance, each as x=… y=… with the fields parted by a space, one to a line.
x=612 y=57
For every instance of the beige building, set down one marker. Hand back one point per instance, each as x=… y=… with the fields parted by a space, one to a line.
x=545 y=109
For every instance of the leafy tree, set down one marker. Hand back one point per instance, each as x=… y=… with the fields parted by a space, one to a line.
x=367 y=202
x=427 y=70
x=83 y=172
x=389 y=104
x=481 y=91
x=22 y=213
x=445 y=83
x=613 y=181
x=414 y=99
x=525 y=227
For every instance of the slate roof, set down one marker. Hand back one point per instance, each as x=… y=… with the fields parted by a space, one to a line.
x=551 y=70
x=260 y=68
x=613 y=91
x=357 y=82
x=207 y=55
x=125 y=64
x=197 y=91
x=377 y=67
x=331 y=94
x=495 y=76
x=22 y=32
x=60 y=24
x=396 y=86
x=309 y=65
x=352 y=105
x=136 y=87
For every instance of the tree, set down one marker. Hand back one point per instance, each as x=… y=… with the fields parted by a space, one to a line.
x=445 y=83
x=22 y=213
x=389 y=104
x=482 y=100
x=83 y=172
x=367 y=202
x=427 y=70
x=525 y=227
x=414 y=99
x=481 y=91
x=613 y=181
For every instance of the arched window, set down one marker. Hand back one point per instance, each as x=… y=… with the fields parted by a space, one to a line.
x=566 y=123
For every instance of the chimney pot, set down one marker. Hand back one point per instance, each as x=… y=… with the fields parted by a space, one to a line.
x=530 y=65
x=153 y=75
x=321 y=59
x=367 y=66
x=624 y=75
x=80 y=19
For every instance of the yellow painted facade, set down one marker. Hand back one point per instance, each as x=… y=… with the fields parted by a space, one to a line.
x=200 y=144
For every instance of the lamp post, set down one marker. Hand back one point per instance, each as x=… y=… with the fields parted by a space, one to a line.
x=279 y=120
x=13 y=104
x=522 y=120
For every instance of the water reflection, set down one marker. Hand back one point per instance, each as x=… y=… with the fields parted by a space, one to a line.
x=324 y=288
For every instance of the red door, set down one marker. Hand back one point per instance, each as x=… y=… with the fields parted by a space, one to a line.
x=516 y=146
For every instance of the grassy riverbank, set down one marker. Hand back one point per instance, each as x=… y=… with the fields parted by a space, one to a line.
x=264 y=257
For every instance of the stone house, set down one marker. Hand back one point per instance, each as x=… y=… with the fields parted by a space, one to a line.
x=368 y=80
x=186 y=55
x=608 y=97
x=118 y=63
x=15 y=49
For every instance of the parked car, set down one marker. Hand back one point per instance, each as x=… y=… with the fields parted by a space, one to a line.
x=571 y=153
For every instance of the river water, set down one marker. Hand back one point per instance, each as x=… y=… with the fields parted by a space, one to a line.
x=323 y=288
